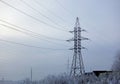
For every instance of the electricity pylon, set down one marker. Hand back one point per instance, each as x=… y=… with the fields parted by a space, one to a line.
x=77 y=67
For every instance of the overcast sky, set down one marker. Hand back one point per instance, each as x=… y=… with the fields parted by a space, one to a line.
x=54 y=18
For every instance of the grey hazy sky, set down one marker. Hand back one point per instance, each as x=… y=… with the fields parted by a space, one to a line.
x=101 y=18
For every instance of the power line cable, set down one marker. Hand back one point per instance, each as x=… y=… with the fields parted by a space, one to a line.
x=52 y=26
x=30 y=34
x=30 y=31
x=28 y=45
x=27 y=4
x=48 y=10
x=15 y=29
x=64 y=8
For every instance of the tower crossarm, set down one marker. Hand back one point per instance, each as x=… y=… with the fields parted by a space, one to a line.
x=78 y=48
x=83 y=38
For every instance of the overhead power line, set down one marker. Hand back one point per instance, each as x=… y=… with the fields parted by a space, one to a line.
x=27 y=4
x=17 y=30
x=11 y=42
x=64 y=8
x=30 y=31
x=48 y=10
x=32 y=17
x=29 y=34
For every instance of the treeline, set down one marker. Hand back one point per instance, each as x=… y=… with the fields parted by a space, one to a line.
x=104 y=78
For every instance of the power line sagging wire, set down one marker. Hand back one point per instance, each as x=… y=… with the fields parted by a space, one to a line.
x=27 y=4
x=64 y=8
x=11 y=42
x=30 y=31
x=29 y=34
x=48 y=10
x=15 y=29
x=32 y=17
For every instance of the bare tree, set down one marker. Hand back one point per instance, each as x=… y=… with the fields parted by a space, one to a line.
x=116 y=64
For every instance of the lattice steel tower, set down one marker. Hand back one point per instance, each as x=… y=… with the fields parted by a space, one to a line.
x=77 y=67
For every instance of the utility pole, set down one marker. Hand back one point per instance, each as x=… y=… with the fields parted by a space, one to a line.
x=31 y=74
x=77 y=67
x=3 y=80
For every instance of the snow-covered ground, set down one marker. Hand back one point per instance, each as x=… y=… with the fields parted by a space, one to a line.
x=105 y=78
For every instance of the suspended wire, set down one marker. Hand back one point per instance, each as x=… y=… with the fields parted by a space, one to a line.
x=28 y=45
x=52 y=26
x=24 y=2
x=57 y=16
x=14 y=29
x=30 y=34
x=30 y=31
x=64 y=8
